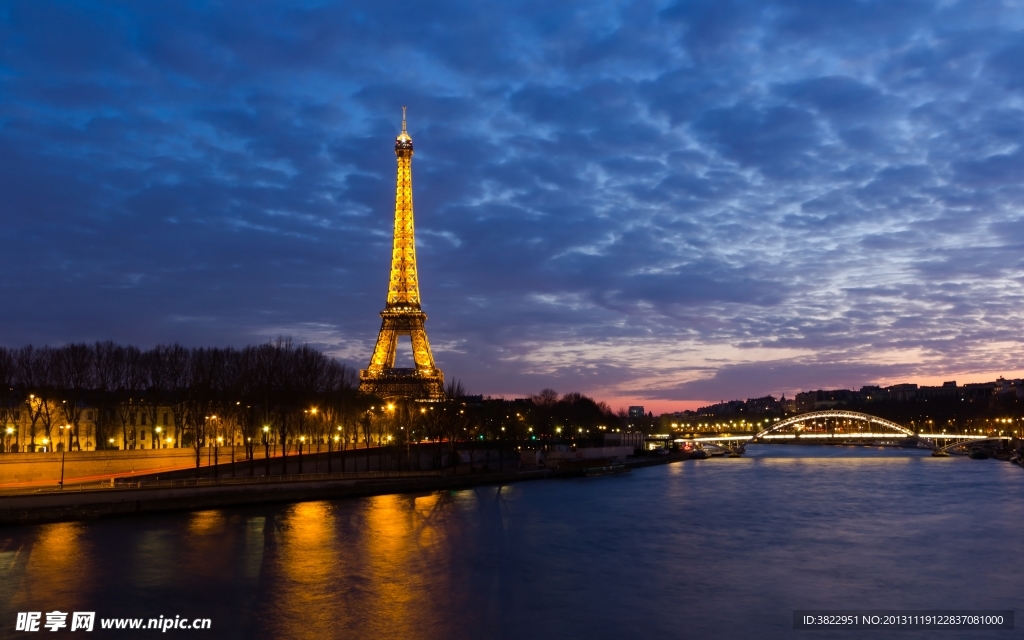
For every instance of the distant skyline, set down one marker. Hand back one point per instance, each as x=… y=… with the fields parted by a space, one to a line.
x=657 y=203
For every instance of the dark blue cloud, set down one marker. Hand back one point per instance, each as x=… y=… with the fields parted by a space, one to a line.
x=670 y=201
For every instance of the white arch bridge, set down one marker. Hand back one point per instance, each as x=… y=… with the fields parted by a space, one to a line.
x=846 y=426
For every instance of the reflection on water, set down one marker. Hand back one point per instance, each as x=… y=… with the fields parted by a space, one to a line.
x=207 y=522
x=715 y=548
x=305 y=562
x=154 y=558
x=254 y=544
x=50 y=566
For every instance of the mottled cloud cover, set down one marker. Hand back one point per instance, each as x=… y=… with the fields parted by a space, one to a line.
x=659 y=202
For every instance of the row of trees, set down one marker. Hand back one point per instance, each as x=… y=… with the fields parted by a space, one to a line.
x=205 y=389
x=272 y=393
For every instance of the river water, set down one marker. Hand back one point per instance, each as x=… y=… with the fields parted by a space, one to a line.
x=721 y=548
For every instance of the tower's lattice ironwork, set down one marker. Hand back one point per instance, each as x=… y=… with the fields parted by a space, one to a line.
x=402 y=315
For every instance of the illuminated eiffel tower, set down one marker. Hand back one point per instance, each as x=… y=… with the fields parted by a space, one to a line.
x=402 y=315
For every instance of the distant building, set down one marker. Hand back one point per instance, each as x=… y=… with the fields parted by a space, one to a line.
x=902 y=392
x=767 y=405
x=628 y=439
x=637 y=412
x=1009 y=387
x=824 y=399
x=142 y=428
x=908 y=392
x=873 y=393
x=947 y=390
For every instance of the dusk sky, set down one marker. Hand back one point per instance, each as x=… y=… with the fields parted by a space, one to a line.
x=655 y=203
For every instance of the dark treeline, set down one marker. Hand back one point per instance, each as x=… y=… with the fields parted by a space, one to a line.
x=275 y=394
x=255 y=393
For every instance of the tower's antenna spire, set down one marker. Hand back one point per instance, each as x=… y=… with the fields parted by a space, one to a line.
x=403 y=120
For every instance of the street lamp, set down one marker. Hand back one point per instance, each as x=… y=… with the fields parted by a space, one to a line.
x=158 y=437
x=7 y=439
x=266 y=448
x=63 y=450
x=302 y=441
x=216 y=455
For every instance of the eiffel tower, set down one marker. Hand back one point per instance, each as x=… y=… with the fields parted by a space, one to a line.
x=402 y=315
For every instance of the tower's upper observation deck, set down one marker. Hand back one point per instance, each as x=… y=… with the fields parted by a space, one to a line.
x=403 y=142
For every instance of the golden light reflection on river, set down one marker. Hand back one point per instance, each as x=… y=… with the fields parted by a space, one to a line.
x=383 y=582
x=56 y=560
x=208 y=545
x=305 y=564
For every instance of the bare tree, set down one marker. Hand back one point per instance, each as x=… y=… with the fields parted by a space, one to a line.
x=154 y=378
x=73 y=373
x=10 y=399
x=204 y=370
x=129 y=377
x=106 y=359
x=177 y=366
x=35 y=368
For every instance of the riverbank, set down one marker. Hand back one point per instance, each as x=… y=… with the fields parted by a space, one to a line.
x=182 y=495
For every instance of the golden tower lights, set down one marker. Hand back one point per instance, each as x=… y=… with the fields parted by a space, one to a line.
x=402 y=315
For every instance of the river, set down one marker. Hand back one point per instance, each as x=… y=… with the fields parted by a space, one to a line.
x=721 y=548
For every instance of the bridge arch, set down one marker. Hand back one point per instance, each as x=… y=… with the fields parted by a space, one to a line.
x=888 y=427
x=971 y=442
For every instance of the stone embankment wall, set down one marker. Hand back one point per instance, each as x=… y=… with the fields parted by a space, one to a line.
x=80 y=505
x=24 y=468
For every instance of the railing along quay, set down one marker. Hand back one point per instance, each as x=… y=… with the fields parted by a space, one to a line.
x=295 y=477
x=120 y=484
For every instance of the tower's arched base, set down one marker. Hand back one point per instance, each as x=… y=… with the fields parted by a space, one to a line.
x=403 y=383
